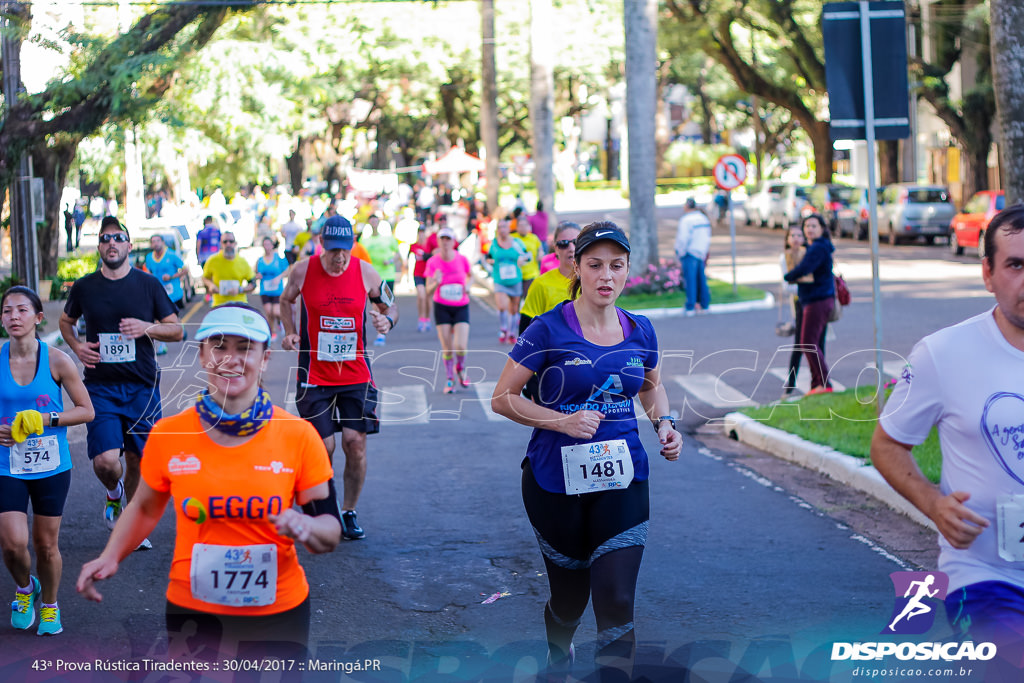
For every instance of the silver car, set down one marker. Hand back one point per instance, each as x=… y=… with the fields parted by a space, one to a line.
x=763 y=202
x=907 y=210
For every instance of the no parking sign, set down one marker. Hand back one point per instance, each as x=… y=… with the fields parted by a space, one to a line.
x=730 y=171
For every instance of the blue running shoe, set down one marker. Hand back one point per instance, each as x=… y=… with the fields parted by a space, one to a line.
x=23 y=608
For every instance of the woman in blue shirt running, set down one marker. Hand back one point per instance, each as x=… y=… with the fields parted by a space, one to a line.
x=585 y=472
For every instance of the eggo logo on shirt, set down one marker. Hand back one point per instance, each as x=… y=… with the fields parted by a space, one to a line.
x=230 y=507
x=337 y=324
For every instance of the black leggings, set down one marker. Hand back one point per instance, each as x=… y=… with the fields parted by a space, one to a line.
x=592 y=545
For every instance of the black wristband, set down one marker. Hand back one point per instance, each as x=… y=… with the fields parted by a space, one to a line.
x=390 y=320
x=663 y=418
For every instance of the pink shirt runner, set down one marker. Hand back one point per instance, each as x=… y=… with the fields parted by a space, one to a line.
x=453 y=290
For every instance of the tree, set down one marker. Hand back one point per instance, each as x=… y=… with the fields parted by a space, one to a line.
x=641 y=24
x=1007 y=16
x=114 y=80
x=796 y=80
x=961 y=35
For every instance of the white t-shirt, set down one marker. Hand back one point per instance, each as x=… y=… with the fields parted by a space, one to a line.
x=289 y=230
x=969 y=381
x=693 y=236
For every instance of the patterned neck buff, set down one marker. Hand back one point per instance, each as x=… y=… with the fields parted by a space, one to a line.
x=246 y=423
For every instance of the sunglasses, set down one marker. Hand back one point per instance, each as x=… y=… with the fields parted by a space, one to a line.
x=563 y=244
x=118 y=237
x=227 y=241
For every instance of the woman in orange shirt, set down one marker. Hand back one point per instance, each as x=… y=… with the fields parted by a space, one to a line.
x=235 y=464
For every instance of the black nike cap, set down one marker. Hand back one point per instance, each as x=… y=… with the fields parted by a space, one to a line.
x=608 y=231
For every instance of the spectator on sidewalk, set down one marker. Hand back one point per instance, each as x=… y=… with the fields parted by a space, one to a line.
x=693 y=241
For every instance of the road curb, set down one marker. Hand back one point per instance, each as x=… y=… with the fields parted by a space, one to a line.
x=843 y=468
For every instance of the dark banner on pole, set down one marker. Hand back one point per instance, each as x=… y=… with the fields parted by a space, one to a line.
x=844 y=74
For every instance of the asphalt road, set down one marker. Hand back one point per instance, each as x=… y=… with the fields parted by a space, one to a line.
x=753 y=568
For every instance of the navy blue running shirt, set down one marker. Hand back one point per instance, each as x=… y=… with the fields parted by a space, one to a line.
x=578 y=375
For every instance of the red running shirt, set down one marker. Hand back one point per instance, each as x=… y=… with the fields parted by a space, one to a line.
x=333 y=316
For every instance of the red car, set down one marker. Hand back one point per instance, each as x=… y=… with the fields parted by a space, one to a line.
x=968 y=227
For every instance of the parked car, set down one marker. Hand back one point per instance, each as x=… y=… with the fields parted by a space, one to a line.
x=172 y=238
x=762 y=201
x=908 y=210
x=968 y=228
x=836 y=204
x=789 y=210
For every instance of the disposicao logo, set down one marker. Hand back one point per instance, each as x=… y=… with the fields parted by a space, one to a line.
x=917 y=595
x=194 y=510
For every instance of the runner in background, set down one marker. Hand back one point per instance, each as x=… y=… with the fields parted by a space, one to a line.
x=384 y=256
x=35 y=461
x=225 y=273
x=335 y=389
x=207 y=244
x=167 y=267
x=270 y=271
x=125 y=311
x=448 y=276
x=507 y=255
x=421 y=255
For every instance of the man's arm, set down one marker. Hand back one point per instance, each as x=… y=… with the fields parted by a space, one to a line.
x=291 y=292
x=385 y=311
x=87 y=353
x=895 y=462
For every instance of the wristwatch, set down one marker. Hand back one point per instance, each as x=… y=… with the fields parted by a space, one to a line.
x=671 y=420
x=54 y=419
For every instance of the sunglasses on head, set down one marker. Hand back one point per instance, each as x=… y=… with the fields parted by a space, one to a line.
x=113 y=237
x=562 y=244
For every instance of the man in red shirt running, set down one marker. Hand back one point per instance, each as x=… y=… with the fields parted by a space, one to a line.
x=335 y=389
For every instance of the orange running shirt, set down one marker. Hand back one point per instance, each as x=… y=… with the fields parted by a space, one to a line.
x=222 y=497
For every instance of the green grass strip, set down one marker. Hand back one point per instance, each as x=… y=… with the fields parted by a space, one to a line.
x=721 y=293
x=844 y=421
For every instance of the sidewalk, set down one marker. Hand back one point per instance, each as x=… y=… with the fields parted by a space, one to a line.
x=843 y=468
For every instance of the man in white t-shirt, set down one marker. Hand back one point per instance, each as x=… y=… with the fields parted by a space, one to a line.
x=693 y=241
x=289 y=231
x=968 y=380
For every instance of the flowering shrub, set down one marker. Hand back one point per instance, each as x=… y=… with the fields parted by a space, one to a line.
x=664 y=278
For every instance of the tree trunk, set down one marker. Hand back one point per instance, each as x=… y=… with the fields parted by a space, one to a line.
x=542 y=102
x=489 y=103
x=295 y=165
x=641 y=24
x=817 y=131
x=1007 y=16
x=888 y=162
x=52 y=163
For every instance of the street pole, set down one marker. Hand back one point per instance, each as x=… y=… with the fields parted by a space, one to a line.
x=732 y=236
x=869 y=130
x=24 y=251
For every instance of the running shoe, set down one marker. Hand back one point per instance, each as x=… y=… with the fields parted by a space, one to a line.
x=145 y=545
x=380 y=340
x=49 y=621
x=113 y=510
x=350 y=529
x=161 y=349
x=512 y=339
x=420 y=327
x=463 y=380
x=23 y=607
x=426 y=326
x=449 y=387
x=503 y=337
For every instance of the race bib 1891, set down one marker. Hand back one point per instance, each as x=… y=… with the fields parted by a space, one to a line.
x=597 y=466
x=240 y=575
x=116 y=348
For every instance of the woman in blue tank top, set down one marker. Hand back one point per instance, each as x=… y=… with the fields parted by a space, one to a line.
x=585 y=472
x=35 y=462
